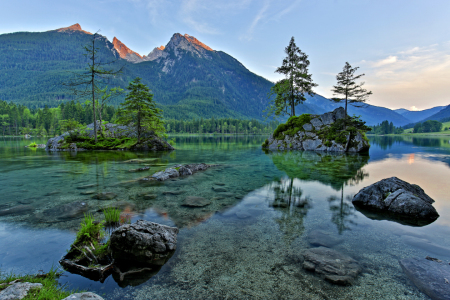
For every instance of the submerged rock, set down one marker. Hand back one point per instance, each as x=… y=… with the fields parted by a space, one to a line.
x=399 y=200
x=67 y=211
x=84 y=296
x=105 y=196
x=194 y=201
x=322 y=238
x=331 y=265
x=316 y=133
x=143 y=242
x=18 y=290
x=177 y=171
x=429 y=275
x=17 y=210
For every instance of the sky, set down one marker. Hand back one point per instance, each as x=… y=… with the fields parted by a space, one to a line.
x=402 y=46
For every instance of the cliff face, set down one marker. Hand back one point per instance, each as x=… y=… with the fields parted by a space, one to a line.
x=125 y=52
x=74 y=27
x=319 y=133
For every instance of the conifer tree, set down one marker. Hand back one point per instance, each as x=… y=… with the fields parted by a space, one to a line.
x=139 y=110
x=352 y=92
x=291 y=91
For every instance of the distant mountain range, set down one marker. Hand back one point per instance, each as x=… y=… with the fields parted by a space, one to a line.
x=188 y=78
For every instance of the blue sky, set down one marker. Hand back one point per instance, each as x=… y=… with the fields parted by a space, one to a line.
x=403 y=47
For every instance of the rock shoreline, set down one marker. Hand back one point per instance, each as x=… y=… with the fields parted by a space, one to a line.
x=314 y=135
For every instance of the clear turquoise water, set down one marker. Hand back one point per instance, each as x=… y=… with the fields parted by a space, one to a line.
x=246 y=244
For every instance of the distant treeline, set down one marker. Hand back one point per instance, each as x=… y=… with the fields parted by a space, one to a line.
x=17 y=119
x=220 y=126
x=428 y=126
x=386 y=127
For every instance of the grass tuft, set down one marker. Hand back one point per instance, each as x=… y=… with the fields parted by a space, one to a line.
x=112 y=215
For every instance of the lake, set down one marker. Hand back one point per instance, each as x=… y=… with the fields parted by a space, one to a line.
x=247 y=243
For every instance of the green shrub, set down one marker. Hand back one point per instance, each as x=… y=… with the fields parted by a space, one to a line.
x=32 y=145
x=292 y=126
x=90 y=231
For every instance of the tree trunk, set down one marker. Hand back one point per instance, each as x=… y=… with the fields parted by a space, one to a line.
x=93 y=89
x=139 y=126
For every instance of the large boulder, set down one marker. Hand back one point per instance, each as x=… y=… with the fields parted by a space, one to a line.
x=178 y=170
x=18 y=290
x=393 y=198
x=331 y=265
x=143 y=242
x=318 y=133
x=84 y=296
x=431 y=276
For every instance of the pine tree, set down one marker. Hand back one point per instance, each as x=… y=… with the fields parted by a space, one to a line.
x=352 y=92
x=139 y=110
x=291 y=91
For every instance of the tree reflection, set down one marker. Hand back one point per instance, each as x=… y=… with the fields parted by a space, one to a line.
x=293 y=207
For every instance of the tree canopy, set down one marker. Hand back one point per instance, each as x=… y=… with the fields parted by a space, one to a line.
x=140 y=110
x=289 y=92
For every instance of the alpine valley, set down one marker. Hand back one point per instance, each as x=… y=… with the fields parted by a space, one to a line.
x=189 y=79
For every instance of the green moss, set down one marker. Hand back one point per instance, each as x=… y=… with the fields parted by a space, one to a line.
x=32 y=145
x=292 y=126
x=265 y=144
x=102 y=143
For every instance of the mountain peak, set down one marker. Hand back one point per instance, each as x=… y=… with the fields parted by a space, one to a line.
x=74 y=27
x=124 y=51
x=187 y=42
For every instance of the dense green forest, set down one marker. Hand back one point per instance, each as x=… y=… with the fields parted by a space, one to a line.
x=35 y=66
x=17 y=119
x=385 y=127
x=428 y=126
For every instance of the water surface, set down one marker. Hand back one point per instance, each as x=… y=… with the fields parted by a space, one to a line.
x=247 y=243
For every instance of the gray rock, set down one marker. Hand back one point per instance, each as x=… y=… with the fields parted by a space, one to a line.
x=317 y=123
x=18 y=290
x=321 y=238
x=105 y=196
x=144 y=242
x=311 y=144
x=89 y=192
x=331 y=265
x=219 y=189
x=179 y=170
x=81 y=187
x=17 y=210
x=328 y=118
x=84 y=296
x=194 y=201
x=339 y=113
x=67 y=211
x=430 y=276
x=173 y=193
x=150 y=196
x=398 y=199
x=307 y=127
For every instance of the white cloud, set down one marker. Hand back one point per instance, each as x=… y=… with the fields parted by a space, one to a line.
x=389 y=60
x=259 y=16
x=413 y=108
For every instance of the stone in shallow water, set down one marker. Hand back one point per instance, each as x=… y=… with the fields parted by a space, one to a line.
x=89 y=192
x=105 y=196
x=173 y=192
x=144 y=242
x=18 y=290
x=331 y=265
x=84 y=296
x=219 y=189
x=17 y=210
x=81 y=187
x=194 y=201
x=67 y=211
x=150 y=196
x=322 y=238
x=431 y=277
x=219 y=183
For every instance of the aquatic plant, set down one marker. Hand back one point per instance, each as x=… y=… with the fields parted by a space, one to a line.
x=112 y=215
x=32 y=145
x=90 y=231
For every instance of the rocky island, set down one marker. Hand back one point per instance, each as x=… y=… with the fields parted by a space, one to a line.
x=330 y=132
x=113 y=137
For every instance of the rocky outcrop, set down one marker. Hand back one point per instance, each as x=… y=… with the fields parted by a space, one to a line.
x=398 y=200
x=177 y=171
x=431 y=276
x=318 y=133
x=149 y=140
x=18 y=290
x=331 y=265
x=144 y=242
x=125 y=52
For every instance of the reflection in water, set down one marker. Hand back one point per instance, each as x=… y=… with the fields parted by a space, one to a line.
x=328 y=168
x=288 y=200
x=342 y=212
